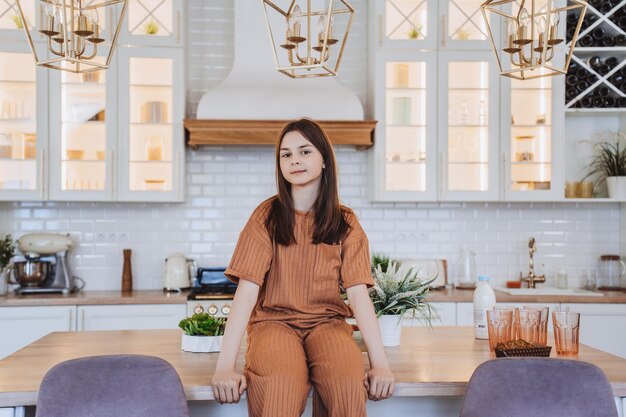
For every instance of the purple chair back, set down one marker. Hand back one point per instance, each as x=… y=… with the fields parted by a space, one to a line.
x=112 y=386
x=538 y=387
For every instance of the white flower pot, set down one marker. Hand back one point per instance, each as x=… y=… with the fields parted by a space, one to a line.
x=390 y=329
x=616 y=187
x=202 y=343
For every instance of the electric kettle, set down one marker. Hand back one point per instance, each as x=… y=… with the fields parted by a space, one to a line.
x=179 y=272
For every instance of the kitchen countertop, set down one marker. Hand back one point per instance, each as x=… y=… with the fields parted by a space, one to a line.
x=429 y=362
x=160 y=297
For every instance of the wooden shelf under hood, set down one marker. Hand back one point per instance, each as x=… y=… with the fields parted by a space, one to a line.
x=265 y=132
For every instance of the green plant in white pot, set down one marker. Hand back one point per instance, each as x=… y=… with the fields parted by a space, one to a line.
x=7 y=251
x=608 y=163
x=202 y=333
x=398 y=292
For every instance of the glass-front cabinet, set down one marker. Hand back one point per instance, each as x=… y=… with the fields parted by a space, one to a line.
x=23 y=141
x=468 y=127
x=462 y=25
x=533 y=139
x=11 y=25
x=82 y=134
x=406 y=126
x=406 y=23
x=153 y=22
x=151 y=153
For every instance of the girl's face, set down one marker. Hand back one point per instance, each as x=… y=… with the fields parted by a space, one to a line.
x=300 y=162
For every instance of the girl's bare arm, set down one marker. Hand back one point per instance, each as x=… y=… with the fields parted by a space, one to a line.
x=228 y=385
x=380 y=380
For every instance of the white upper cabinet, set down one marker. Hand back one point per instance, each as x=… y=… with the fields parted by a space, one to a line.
x=406 y=23
x=83 y=114
x=11 y=25
x=151 y=149
x=532 y=127
x=468 y=126
x=462 y=26
x=23 y=129
x=153 y=23
x=406 y=133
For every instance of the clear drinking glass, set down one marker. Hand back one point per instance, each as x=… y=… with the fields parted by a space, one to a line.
x=529 y=325
x=515 y=310
x=566 y=332
x=499 y=326
x=542 y=340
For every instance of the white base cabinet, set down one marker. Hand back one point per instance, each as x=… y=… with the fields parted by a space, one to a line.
x=20 y=326
x=465 y=312
x=602 y=326
x=445 y=315
x=130 y=317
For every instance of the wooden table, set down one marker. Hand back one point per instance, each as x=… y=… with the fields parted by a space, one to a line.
x=429 y=362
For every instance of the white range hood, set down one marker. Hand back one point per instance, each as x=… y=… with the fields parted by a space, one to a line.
x=255 y=90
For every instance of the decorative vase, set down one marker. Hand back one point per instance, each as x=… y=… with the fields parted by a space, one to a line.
x=202 y=343
x=390 y=329
x=616 y=187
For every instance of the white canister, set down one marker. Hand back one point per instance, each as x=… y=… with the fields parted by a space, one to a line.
x=390 y=329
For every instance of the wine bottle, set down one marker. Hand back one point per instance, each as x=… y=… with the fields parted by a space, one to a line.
x=571 y=80
x=597 y=102
x=611 y=61
x=608 y=41
x=572 y=19
x=621 y=102
x=586 y=41
x=585 y=102
x=608 y=102
x=617 y=80
x=604 y=69
x=594 y=62
x=582 y=86
x=570 y=93
x=582 y=74
x=606 y=7
x=603 y=91
x=620 y=40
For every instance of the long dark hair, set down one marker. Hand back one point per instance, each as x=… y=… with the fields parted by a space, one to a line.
x=330 y=223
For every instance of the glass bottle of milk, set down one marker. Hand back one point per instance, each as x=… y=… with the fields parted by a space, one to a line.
x=484 y=299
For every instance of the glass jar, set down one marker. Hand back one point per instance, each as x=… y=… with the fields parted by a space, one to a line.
x=611 y=268
x=154 y=148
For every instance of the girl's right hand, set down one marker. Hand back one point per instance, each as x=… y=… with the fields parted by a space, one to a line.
x=228 y=386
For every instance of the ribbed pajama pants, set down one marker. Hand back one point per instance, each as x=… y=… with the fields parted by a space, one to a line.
x=283 y=362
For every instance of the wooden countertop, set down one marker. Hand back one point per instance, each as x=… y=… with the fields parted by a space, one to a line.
x=429 y=362
x=160 y=297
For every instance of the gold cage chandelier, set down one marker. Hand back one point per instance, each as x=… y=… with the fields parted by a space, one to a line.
x=533 y=44
x=72 y=35
x=308 y=36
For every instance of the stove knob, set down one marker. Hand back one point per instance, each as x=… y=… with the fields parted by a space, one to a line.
x=225 y=309
x=212 y=309
x=198 y=309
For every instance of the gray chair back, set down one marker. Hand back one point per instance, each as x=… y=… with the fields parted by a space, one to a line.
x=112 y=386
x=538 y=387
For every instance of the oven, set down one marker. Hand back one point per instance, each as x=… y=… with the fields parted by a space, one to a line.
x=212 y=294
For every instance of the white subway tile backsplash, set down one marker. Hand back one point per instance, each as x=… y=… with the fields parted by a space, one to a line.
x=224 y=185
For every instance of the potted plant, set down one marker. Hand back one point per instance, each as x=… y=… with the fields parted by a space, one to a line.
x=398 y=291
x=7 y=251
x=202 y=333
x=608 y=163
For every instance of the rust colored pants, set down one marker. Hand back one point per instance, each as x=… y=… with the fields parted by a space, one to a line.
x=282 y=363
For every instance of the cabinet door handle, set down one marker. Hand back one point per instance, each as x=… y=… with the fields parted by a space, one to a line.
x=40 y=180
x=505 y=167
x=178 y=27
x=110 y=179
x=69 y=325
x=42 y=192
x=443 y=31
x=179 y=177
x=82 y=320
x=380 y=30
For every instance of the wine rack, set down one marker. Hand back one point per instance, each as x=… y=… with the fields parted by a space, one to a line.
x=596 y=77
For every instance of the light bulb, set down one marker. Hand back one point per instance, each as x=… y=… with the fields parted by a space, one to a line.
x=541 y=24
x=512 y=31
x=524 y=18
x=321 y=27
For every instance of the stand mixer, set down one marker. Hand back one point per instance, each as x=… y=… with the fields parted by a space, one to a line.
x=44 y=268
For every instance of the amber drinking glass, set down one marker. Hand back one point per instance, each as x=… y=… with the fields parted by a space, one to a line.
x=515 y=310
x=566 y=332
x=542 y=339
x=500 y=326
x=529 y=322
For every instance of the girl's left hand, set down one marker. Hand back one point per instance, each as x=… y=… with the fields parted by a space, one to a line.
x=379 y=383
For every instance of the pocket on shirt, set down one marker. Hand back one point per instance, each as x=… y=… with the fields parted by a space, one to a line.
x=327 y=262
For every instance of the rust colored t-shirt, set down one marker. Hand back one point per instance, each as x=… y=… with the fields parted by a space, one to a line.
x=300 y=283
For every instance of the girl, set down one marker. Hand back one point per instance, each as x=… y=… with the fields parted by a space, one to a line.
x=299 y=249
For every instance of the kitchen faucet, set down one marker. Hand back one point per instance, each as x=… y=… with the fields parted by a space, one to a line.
x=532 y=279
